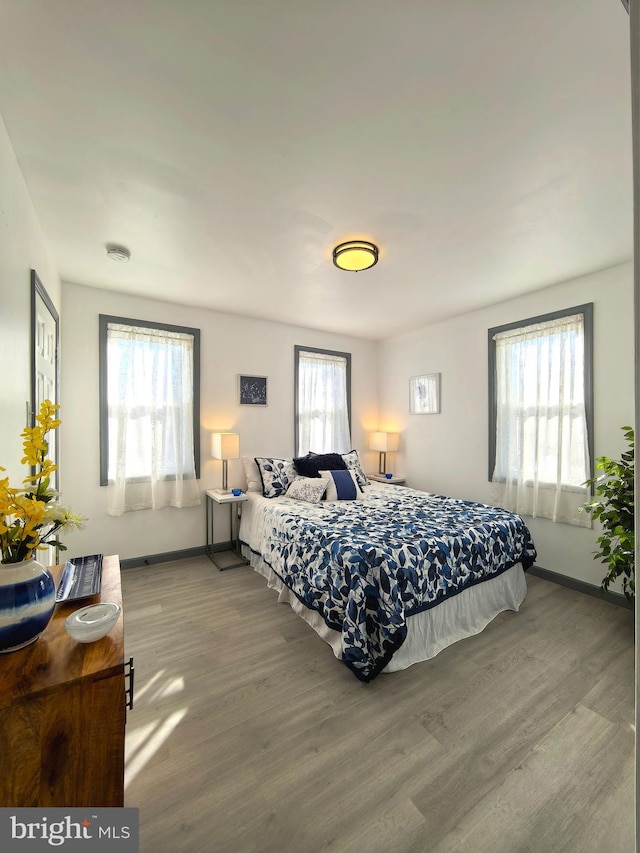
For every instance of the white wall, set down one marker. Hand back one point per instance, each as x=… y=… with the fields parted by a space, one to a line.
x=22 y=248
x=447 y=453
x=230 y=345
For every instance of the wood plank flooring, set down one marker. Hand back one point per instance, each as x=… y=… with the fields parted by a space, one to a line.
x=248 y=736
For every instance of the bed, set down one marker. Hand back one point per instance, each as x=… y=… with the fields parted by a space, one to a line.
x=392 y=578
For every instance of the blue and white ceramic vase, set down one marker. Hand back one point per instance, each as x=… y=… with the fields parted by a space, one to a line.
x=27 y=602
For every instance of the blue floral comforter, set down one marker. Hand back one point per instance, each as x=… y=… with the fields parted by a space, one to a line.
x=366 y=566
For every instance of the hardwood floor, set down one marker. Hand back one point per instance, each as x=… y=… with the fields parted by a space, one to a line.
x=248 y=736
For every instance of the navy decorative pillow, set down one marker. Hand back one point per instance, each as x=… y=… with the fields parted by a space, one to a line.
x=343 y=486
x=276 y=474
x=353 y=462
x=312 y=463
x=305 y=467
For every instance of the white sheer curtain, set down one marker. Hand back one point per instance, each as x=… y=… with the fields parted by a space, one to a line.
x=150 y=419
x=323 y=414
x=542 y=452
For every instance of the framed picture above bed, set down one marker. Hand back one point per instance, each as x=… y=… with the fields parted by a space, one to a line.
x=424 y=394
x=252 y=390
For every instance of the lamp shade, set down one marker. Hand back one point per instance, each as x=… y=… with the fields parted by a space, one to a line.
x=225 y=445
x=355 y=255
x=384 y=442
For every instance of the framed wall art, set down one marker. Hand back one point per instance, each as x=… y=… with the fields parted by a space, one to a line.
x=44 y=376
x=44 y=358
x=424 y=394
x=252 y=390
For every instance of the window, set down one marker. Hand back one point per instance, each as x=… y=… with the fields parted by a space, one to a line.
x=322 y=401
x=541 y=414
x=149 y=414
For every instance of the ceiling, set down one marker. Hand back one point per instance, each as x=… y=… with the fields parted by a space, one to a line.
x=485 y=147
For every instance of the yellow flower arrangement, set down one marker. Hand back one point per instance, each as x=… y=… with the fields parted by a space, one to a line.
x=30 y=517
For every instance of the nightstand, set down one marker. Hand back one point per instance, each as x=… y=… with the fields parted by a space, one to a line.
x=231 y=499
x=380 y=478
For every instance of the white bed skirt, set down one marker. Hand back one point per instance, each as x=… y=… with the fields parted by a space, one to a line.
x=429 y=632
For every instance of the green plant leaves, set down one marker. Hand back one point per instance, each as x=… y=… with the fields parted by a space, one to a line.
x=613 y=506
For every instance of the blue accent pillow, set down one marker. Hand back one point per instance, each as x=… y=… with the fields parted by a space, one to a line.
x=352 y=461
x=343 y=486
x=276 y=475
x=311 y=464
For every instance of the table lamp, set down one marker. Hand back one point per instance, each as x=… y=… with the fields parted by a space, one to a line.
x=384 y=442
x=224 y=446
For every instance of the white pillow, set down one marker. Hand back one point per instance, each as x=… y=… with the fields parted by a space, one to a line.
x=343 y=485
x=310 y=489
x=252 y=473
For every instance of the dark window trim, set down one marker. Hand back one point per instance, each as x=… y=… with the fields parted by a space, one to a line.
x=587 y=312
x=104 y=320
x=297 y=349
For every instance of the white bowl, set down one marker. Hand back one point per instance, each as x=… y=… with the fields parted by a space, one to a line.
x=93 y=622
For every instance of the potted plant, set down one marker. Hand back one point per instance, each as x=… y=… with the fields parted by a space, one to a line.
x=30 y=519
x=613 y=506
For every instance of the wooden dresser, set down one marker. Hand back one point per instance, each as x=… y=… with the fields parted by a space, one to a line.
x=62 y=713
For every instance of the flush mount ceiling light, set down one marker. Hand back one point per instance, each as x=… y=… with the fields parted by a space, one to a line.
x=355 y=255
x=118 y=253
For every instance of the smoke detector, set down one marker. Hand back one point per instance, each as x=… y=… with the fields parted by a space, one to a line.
x=118 y=253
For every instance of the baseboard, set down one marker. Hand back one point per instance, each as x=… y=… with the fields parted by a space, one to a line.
x=167 y=557
x=581 y=586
